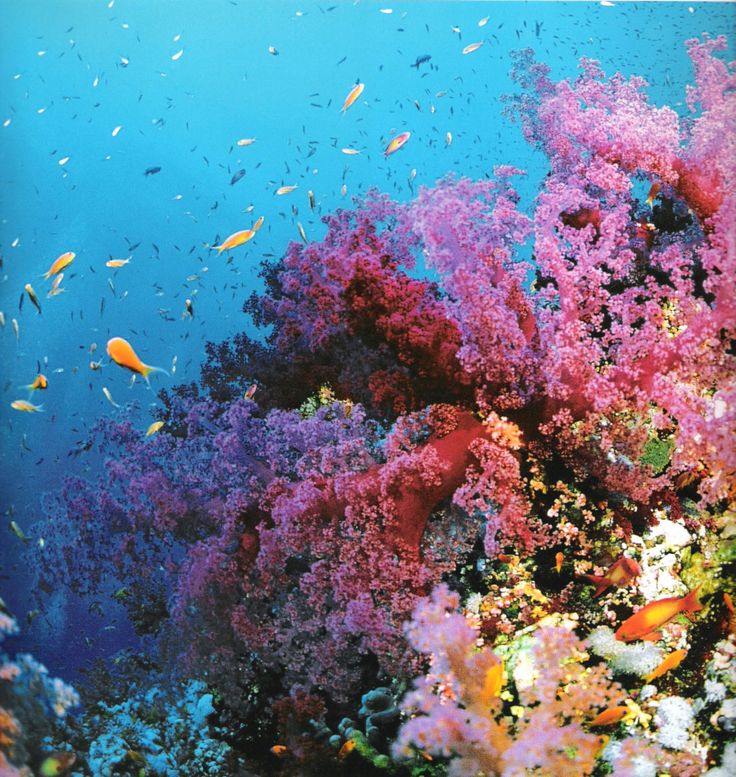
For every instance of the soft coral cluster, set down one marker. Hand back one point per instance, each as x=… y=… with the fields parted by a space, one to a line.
x=457 y=709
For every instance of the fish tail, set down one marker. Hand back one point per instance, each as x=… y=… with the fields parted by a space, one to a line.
x=148 y=369
x=600 y=582
x=691 y=603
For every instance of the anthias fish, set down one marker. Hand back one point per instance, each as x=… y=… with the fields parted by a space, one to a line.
x=645 y=623
x=353 y=95
x=153 y=428
x=26 y=407
x=619 y=574
x=40 y=383
x=59 y=264
x=234 y=240
x=397 y=143
x=609 y=716
x=122 y=353
x=671 y=661
x=32 y=296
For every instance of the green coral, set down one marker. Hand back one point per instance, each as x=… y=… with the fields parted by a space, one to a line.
x=657 y=454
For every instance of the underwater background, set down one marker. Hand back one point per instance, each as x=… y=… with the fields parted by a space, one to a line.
x=152 y=131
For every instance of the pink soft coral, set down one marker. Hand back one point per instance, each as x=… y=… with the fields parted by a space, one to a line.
x=456 y=710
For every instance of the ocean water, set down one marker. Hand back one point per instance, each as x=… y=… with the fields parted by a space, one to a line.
x=119 y=129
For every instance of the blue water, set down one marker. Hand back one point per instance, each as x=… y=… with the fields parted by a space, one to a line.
x=65 y=87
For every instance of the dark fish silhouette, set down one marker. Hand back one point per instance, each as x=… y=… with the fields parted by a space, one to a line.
x=236 y=177
x=152 y=170
x=421 y=60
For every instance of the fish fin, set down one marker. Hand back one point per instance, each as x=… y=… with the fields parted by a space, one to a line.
x=653 y=636
x=600 y=582
x=148 y=369
x=691 y=603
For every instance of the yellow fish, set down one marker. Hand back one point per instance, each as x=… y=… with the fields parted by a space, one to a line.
x=18 y=532
x=246 y=141
x=115 y=263
x=258 y=224
x=26 y=407
x=122 y=353
x=285 y=190
x=57 y=763
x=234 y=240
x=59 y=264
x=154 y=427
x=353 y=95
x=397 y=143
x=672 y=661
x=472 y=47
x=32 y=296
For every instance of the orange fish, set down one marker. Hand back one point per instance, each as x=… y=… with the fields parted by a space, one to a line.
x=122 y=353
x=250 y=393
x=559 y=559
x=346 y=749
x=492 y=684
x=40 y=383
x=609 y=716
x=653 y=192
x=672 y=661
x=279 y=750
x=234 y=240
x=59 y=264
x=258 y=224
x=645 y=623
x=115 y=263
x=353 y=95
x=728 y=602
x=397 y=143
x=620 y=574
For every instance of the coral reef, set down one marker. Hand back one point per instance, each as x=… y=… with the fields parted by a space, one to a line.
x=158 y=731
x=32 y=708
x=556 y=407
